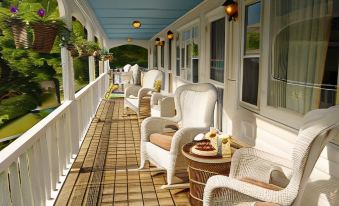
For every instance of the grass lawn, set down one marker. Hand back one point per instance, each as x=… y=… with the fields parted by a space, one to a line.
x=20 y=125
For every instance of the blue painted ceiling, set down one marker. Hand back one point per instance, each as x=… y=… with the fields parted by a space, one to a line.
x=116 y=16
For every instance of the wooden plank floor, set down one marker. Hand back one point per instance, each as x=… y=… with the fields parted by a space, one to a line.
x=104 y=170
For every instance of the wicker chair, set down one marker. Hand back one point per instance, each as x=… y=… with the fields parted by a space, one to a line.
x=135 y=94
x=251 y=166
x=162 y=105
x=194 y=105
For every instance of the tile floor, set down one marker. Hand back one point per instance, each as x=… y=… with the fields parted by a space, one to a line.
x=104 y=172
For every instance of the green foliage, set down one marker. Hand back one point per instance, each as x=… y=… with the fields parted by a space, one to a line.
x=81 y=72
x=253 y=40
x=129 y=54
x=22 y=70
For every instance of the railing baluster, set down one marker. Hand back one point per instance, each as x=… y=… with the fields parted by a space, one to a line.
x=75 y=135
x=45 y=165
x=5 y=199
x=53 y=151
x=26 y=185
x=34 y=177
x=40 y=170
x=14 y=183
x=31 y=168
x=59 y=133
x=68 y=138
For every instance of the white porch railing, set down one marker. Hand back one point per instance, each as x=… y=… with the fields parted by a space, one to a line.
x=33 y=168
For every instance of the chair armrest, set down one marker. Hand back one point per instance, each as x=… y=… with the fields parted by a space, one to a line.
x=152 y=125
x=156 y=97
x=262 y=164
x=250 y=192
x=144 y=92
x=184 y=136
x=167 y=107
x=132 y=90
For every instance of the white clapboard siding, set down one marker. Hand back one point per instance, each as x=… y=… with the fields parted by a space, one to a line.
x=33 y=167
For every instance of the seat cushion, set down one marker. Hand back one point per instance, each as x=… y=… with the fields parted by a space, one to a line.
x=163 y=140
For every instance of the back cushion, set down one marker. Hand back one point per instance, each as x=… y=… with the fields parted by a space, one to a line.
x=196 y=109
x=127 y=67
x=135 y=74
x=150 y=77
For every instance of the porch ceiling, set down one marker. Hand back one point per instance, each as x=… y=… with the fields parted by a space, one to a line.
x=116 y=16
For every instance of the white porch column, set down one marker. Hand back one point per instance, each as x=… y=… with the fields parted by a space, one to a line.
x=69 y=91
x=101 y=67
x=67 y=67
x=91 y=62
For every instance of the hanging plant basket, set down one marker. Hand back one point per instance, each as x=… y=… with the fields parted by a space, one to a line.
x=44 y=37
x=87 y=48
x=73 y=50
x=20 y=34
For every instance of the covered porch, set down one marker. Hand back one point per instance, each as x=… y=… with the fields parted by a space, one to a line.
x=87 y=151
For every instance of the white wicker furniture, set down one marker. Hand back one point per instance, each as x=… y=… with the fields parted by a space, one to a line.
x=291 y=176
x=194 y=105
x=135 y=74
x=126 y=68
x=162 y=105
x=134 y=94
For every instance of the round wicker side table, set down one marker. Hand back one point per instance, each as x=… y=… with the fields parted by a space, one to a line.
x=200 y=169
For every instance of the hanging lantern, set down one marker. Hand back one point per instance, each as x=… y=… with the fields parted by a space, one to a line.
x=231 y=9
x=170 y=35
x=136 y=24
x=157 y=41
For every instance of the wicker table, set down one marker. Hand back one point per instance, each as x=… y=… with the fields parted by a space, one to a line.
x=200 y=169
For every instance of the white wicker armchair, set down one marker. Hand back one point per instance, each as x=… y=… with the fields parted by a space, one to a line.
x=194 y=105
x=251 y=164
x=135 y=93
x=162 y=105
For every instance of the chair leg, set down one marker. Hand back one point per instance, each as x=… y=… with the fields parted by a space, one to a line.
x=170 y=180
x=142 y=163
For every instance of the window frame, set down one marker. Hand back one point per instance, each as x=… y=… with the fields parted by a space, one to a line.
x=251 y=107
x=187 y=27
x=281 y=116
x=155 y=56
x=211 y=17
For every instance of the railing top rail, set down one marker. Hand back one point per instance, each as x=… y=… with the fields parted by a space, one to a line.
x=25 y=141
x=10 y=154
x=86 y=88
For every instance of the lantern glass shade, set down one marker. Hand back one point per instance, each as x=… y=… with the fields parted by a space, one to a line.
x=129 y=40
x=231 y=9
x=136 y=24
x=170 y=35
x=157 y=41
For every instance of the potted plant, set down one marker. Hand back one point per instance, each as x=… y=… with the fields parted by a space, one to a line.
x=18 y=27
x=87 y=48
x=104 y=55
x=45 y=31
x=68 y=41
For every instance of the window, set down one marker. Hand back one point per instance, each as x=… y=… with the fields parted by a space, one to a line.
x=305 y=60
x=169 y=54
x=217 y=50
x=155 y=56
x=162 y=55
x=177 y=72
x=251 y=54
x=190 y=54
